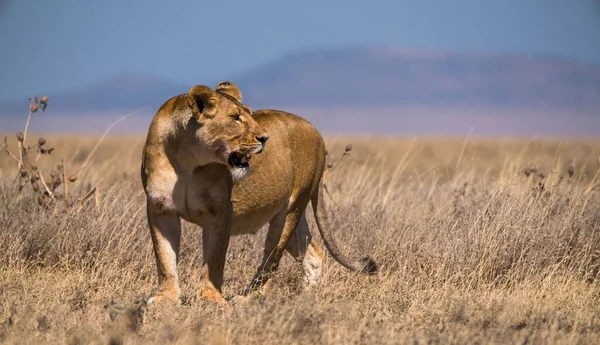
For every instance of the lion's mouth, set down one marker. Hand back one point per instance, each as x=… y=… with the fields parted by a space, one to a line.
x=239 y=160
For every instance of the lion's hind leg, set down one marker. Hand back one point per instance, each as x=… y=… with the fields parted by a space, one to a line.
x=281 y=228
x=305 y=249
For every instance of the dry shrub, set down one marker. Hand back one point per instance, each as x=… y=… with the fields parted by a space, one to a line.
x=472 y=250
x=30 y=174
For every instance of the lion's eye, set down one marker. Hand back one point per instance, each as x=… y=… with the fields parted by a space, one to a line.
x=236 y=118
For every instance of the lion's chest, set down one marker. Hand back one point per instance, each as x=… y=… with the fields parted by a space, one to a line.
x=192 y=196
x=196 y=200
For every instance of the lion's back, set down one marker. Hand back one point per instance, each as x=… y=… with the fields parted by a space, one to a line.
x=295 y=128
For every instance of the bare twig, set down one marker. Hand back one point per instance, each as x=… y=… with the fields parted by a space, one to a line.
x=346 y=153
x=27 y=126
x=10 y=153
x=23 y=142
x=86 y=196
x=338 y=162
x=46 y=187
x=330 y=166
x=65 y=183
x=37 y=158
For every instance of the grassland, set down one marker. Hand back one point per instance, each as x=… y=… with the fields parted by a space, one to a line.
x=472 y=250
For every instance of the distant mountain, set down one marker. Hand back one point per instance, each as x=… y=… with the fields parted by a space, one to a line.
x=125 y=92
x=392 y=78
x=363 y=78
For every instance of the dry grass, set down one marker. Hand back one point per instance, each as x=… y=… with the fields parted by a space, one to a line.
x=471 y=251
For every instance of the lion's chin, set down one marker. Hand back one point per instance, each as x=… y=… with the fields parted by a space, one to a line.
x=238 y=165
x=239 y=173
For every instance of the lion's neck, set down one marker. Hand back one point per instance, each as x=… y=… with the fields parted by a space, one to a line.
x=186 y=151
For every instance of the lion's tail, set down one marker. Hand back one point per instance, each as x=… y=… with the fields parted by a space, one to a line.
x=364 y=265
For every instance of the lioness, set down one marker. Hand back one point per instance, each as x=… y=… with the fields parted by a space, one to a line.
x=196 y=166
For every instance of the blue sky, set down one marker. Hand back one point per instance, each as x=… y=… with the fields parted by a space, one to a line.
x=47 y=46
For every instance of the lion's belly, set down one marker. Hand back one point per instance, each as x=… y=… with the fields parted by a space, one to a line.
x=250 y=220
x=258 y=198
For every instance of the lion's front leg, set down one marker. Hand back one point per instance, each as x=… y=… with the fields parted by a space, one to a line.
x=216 y=231
x=165 y=230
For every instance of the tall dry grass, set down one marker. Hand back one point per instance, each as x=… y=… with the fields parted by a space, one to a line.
x=472 y=250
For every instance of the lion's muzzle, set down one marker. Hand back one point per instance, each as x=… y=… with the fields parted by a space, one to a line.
x=263 y=141
x=240 y=159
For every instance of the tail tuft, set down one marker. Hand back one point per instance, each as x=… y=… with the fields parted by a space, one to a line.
x=369 y=266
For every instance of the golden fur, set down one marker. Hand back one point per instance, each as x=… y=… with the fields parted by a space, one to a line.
x=187 y=172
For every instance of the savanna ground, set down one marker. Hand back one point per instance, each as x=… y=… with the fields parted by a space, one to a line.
x=471 y=250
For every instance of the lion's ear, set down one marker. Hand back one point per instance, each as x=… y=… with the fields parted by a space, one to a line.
x=230 y=89
x=203 y=101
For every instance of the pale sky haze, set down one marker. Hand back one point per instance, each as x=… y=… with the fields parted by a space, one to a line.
x=49 y=46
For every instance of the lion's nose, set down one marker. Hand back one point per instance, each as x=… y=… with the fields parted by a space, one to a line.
x=263 y=139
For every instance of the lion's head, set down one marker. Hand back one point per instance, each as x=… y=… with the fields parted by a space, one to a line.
x=226 y=127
